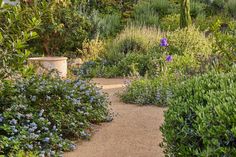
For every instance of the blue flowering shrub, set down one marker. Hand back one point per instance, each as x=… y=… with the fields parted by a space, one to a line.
x=147 y=92
x=200 y=120
x=42 y=115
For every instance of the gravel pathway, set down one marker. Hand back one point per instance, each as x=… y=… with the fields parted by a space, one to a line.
x=134 y=132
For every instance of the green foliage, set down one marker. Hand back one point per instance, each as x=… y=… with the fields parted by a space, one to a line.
x=200 y=121
x=15 y=36
x=62 y=30
x=224 y=47
x=196 y=8
x=135 y=39
x=147 y=92
x=190 y=57
x=189 y=40
x=149 y=13
x=217 y=5
x=43 y=114
x=231 y=5
x=60 y=27
x=134 y=64
x=136 y=51
x=109 y=25
x=91 y=50
x=170 y=22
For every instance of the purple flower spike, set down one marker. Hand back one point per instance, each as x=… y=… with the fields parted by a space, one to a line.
x=169 y=58
x=164 y=42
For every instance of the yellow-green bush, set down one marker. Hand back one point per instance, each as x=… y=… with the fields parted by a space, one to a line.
x=170 y=22
x=189 y=41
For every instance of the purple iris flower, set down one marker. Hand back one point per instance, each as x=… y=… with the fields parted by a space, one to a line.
x=169 y=58
x=164 y=42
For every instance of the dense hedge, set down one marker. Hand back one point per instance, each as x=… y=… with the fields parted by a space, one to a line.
x=200 y=120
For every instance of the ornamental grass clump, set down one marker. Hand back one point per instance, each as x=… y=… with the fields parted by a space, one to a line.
x=42 y=115
x=136 y=39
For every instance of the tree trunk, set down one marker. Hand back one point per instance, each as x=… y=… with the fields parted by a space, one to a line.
x=185 y=18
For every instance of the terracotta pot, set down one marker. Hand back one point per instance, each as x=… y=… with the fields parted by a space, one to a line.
x=47 y=64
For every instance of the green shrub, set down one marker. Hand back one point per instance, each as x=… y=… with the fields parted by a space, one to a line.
x=217 y=5
x=135 y=39
x=61 y=29
x=15 y=37
x=170 y=22
x=144 y=14
x=231 y=5
x=134 y=64
x=149 y=13
x=200 y=119
x=147 y=92
x=189 y=40
x=204 y=23
x=162 y=7
x=109 y=25
x=196 y=8
x=42 y=114
x=224 y=46
x=92 y=49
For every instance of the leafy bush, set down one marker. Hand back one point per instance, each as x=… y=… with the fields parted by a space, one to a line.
x=144 y=14
x=149 y=13
x=109 y=25
x=224 y=46
x=231 y=5
x=135 y=39
x=91 y=50
x=42 y=115
x=60 y=27
x=217 y=5
x=197 y=122
x=170 y=22
x=196 y=8
x=14 y=40
x=147 y=91
x=134 y=64
x=190 y=43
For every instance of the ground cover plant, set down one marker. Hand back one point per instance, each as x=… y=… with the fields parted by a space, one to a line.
x=42 y=115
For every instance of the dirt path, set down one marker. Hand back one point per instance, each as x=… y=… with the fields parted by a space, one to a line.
x=134 y=132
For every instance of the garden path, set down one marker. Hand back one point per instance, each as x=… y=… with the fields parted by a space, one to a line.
x=134 y=132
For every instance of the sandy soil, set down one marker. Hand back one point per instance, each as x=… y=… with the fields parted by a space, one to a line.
x=134 y=132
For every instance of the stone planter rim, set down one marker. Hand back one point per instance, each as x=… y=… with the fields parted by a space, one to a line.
x=47 y=58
